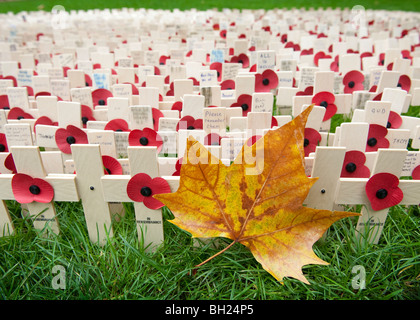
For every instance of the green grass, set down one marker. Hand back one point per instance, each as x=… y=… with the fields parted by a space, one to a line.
x=31 y=5
x=122 y=270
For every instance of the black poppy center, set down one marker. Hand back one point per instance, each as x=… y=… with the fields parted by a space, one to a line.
x=6 y=108
x=101 y=102
x=382 y=62
x=388 y=124
x=144 y=141
x=240 y=61
x=351 y=84
x=324 y=104
x=2 y=147
x=266 y=81
x=381 y=194
x=244 y=106
x=399 y=85
x=218 y=74
x=70 y=140
x=190 y=128
x=85 y=120
x=86 y=84
x=146 y=191
x=108 y=171
x=372 y=142
x=305 y=142
x=119 y=130
x=20 y=117
x=351 y=167
x=34 y=189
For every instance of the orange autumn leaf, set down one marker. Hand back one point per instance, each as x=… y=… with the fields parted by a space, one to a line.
x=256 y=201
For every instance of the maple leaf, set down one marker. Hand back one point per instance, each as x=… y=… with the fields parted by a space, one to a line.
x=256 y=201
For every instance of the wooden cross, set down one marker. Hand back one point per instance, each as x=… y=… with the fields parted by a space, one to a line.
x=28 y=161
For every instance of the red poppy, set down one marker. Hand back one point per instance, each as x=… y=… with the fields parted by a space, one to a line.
x=177 y=106
x=44 y=120
x=188 y=122
x=4 y=102
x=381 y=61
x=354 y=165
x=266 y=81
x=142 y=187
x=111 y=165
x=162 y=59
x=156 y=115
x=406 y=54
x=17 y=113
x=294 y=46
x=353 y=81
x=382 y=191
x=241 y=58
x=212 y=139
x=325 y=99
x=274 y=122
x=227 y=85
x=218 y=67
x=307 y=52
x=27 y=189
x=134 y=89
x=335 y=66
x=145 y=137
x=222 y=34
x=404 y=82
x=320 y=55
x=309 y=91
x=245 y=102
x=71 y=135
x=376 y=138
x=394 y=120
x=118 y=125
x=195 y=81
x=9 y=163
x=252 y=140
x=415 y=174
x=178 y=167
x=3 y=143
x=253 y=68
x=100 y=97
x=87 y=115
x=10 y=78
x=283 y=38
x=88 y=80
x=311 y=140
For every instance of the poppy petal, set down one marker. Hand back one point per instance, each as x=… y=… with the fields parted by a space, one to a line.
x=111 y=165
x=117 y=125
x=415 y=174
x=394 y=120
x=47 y=192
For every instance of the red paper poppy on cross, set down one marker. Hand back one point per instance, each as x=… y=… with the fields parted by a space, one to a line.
x=311 y=140
x=3 y=143
x=71 y=135
x=320 y=55
x=394 y=120
x=27 y=189
x=4 y=102
x=245 y=102
x=177 y=106
x=178 y=167
x=415 y=174
x=17 y=113
x=146 y=137
x=100 y=97
x=142 y=188
x=325 y=99
x=335 y=65
x=218 y=67
x=44 y=120
x=156 y=115
x=266 y=81
x=212 y=139
x=241 y=58
x=376 y=138
x=382 y=191
x=354 y=165
x=309 y=91
x=190 y=123
x=9 y=163
x=227 y=85
x=252 y=140
x=404 y=82
x=87 y=115
x=353 y=81
x=111 y=166
x=117 y=125
x=223 y=33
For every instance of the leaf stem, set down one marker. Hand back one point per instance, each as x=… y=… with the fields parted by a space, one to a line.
x=215 y=255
